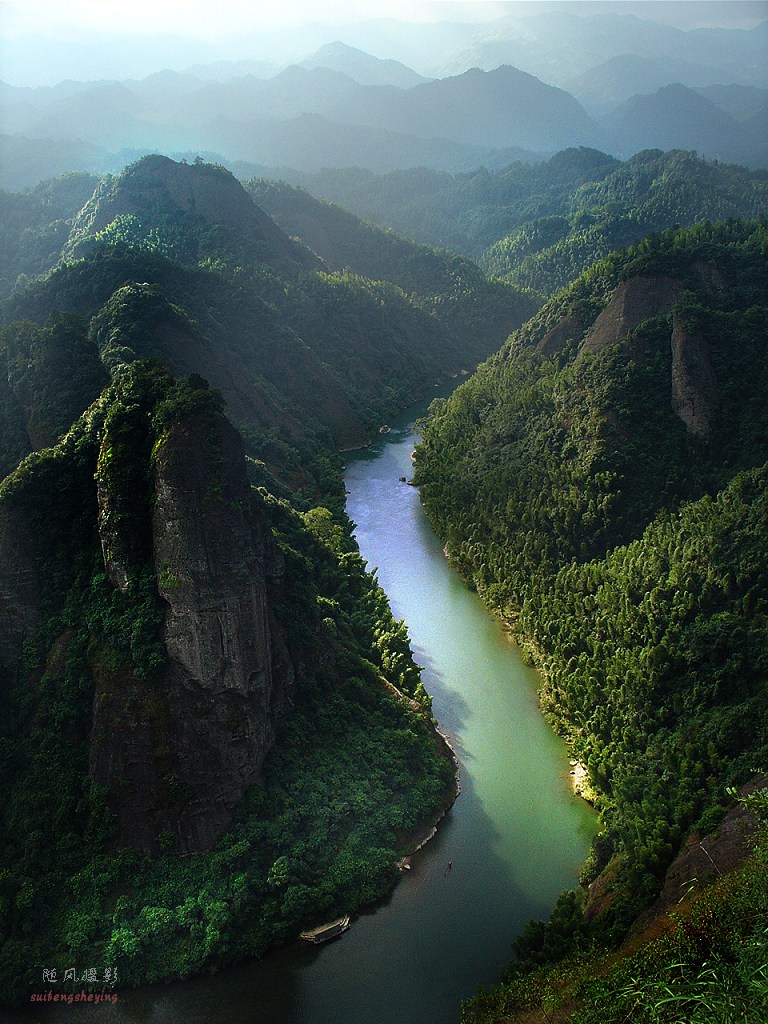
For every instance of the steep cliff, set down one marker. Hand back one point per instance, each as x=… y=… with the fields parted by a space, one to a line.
x=190 y=666
x=19 y=590
x=184 y=710
x=694 y=386
x=182 y=752
x=633 y=301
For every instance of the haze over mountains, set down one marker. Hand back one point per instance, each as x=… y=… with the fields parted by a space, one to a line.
x=388 y=95
x=194 y=657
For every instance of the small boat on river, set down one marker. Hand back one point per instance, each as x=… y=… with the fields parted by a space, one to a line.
x=325 y=932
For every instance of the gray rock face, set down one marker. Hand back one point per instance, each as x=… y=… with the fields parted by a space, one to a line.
x=19 y=589
x=562 y=334
x=694 y=387
x=633 y=301
x=181 y=754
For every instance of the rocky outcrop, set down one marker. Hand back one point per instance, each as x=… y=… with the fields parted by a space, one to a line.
x=179 y=753
x=632 y=302
x=19 y=590
x=560 y=336
x=694 y=387
x=702 y=859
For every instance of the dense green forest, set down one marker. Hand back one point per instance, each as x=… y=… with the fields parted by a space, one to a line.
x=123 y=474
x=36 y=226
x=451 y=287
x=309 y=358
x=648 y=193
x=467 y=212
x=540 y=225
x=602 y=483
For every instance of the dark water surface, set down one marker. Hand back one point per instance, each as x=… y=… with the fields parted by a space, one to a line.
x=515 y=837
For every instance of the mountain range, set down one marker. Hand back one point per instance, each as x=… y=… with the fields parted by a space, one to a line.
x=342 y=106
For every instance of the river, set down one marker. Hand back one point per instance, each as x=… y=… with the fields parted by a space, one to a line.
x=515 y=837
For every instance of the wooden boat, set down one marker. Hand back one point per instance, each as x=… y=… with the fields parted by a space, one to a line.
x=325 y=932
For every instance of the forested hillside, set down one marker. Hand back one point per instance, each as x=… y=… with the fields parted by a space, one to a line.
x=650 y=192
x=602 y=483
x=539 y=225
x=450 y=287
x=36 y=226
x=195 y=658
x=463 y=212
x=177 y=263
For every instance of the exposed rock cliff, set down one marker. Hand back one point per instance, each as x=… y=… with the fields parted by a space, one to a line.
x=19 y=589
x=180 y=751
x=176 y=747
x=693 y=380
x=561 y=335
x=633 y=301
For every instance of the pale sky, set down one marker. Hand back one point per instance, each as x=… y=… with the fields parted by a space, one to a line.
x=220 y=18
x=211 y=18
x=46 y=41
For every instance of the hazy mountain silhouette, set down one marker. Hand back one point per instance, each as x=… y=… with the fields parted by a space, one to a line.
x=618 y=79
x=678 y=117
x=362 y=66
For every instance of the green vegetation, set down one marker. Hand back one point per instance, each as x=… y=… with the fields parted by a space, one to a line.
x=627 y=550
x=463 y=212
x=540 y=225
x=449 y=287
x=324 y=832
x=35 y=226
x=100 y=361
x=308 y=360
x=709 y=967
x=48 y=375
x=648 y=193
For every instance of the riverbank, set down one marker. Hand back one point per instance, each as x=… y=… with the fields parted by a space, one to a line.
x=415 y=840
x=532 y=654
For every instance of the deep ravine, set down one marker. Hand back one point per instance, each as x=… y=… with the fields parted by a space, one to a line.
x=513 y=840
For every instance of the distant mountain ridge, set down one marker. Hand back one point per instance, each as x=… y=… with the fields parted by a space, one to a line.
x=678 y=117
x=363 y=67
x=453 y=123
x=605 y=87
x=497 y=93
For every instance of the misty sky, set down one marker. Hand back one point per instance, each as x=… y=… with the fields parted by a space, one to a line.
x=44 y=41
x=207 y=19
x=228 y=17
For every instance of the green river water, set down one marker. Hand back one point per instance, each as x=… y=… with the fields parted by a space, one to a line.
x=515 y=837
